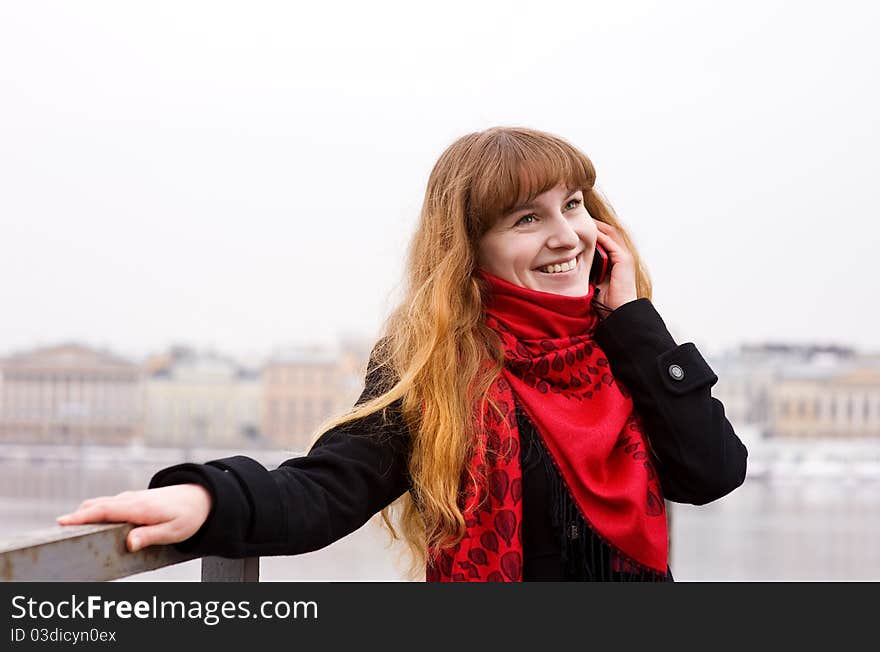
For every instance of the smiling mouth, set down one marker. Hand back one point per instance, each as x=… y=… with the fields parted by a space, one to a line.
x=560 y=269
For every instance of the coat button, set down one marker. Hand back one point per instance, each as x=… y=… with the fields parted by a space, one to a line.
x=676 y=372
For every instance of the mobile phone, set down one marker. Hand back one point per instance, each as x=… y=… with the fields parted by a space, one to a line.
x=601 y=265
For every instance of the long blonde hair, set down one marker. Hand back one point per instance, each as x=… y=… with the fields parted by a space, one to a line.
x=436 y=350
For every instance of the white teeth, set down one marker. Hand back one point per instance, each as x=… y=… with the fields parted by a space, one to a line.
x=555 y=269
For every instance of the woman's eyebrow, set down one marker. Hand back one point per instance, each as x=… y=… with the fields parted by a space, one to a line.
x=532 y=205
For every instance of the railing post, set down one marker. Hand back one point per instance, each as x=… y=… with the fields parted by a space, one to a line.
x=221 y=569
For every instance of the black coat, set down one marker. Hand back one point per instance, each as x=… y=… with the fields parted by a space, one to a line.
x=354 y=471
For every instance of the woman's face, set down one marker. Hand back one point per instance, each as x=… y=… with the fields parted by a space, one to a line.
x=554 y=229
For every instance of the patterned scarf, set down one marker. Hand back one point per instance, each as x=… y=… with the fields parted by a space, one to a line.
x=557 y=373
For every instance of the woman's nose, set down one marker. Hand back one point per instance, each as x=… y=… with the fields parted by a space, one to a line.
x=562 y=235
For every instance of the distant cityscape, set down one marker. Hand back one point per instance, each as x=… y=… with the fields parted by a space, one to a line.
x=72 y=394
x=800 y=392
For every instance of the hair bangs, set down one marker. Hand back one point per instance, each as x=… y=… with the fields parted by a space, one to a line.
x=517 y=166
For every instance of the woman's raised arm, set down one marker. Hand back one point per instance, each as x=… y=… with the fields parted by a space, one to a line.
x=700 y=458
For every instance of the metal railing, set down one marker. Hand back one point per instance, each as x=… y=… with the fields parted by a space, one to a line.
x=97 y=553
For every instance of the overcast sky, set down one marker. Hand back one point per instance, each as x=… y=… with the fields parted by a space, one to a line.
x=247 y=175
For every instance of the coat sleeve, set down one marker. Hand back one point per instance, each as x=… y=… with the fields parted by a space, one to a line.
x=350 y=473
x=698 y=456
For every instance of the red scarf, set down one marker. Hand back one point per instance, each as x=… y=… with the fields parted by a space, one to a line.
x=557 y=373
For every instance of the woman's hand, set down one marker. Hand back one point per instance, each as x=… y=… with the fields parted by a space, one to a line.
x=620 y=286
x=167 y=514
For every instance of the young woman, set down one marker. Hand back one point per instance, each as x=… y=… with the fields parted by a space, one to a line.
x=515 y=426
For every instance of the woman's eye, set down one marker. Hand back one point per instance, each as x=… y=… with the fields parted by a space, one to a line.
x=568 y=205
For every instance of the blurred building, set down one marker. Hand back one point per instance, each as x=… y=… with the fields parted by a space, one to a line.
x=354 y=352
x=200 y=399
x=811 y=403
x=304 y=386
x=801 y=391
x=69 y=394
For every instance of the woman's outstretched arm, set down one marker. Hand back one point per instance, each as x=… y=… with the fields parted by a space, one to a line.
x=307 y=503
x=699 y=456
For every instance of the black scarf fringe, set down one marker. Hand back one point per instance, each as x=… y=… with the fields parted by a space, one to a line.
x=586 y=555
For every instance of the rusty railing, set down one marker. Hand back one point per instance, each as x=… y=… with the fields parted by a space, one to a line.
x=97 y=553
